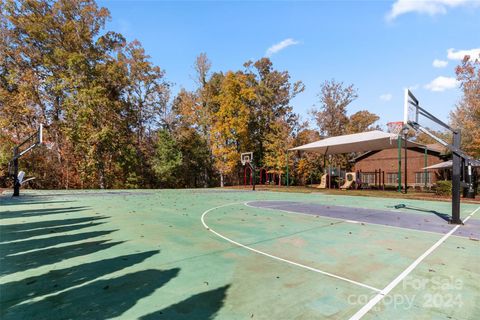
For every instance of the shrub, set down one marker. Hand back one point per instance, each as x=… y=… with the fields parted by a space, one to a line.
x=391 y=188
x=444 y=188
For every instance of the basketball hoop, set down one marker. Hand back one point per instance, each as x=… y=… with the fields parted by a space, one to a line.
x=395 y=127
x=49 y=144
x=246 y=158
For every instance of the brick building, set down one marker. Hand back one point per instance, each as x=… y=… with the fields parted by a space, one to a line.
x=381 y=167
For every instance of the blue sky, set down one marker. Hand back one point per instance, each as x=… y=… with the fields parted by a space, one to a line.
x=381 y=47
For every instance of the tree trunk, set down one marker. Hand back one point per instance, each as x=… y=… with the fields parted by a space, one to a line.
x=205 y=181
x=221 y=180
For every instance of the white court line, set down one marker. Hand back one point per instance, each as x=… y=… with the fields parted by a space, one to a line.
x=352 y=221
x=275 y=257
x=275 y=208
x=366 y=308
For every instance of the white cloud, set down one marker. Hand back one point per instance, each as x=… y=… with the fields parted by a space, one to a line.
x=430 y=7
x=441 y=84
x=453 y=54
x=439 y=63
x=280 y=46
x=386 y=97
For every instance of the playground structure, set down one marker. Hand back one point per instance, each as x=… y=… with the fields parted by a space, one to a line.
x=350 y=178
x=323 y=181
x=415 y=121
x=265 y=176
x=353 y=180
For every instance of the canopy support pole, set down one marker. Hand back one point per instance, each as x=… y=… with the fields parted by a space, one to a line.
x=405 y=148
x=287 y=168
x=399 y=177
x=425 y=173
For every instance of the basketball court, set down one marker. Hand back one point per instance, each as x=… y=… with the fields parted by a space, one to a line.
x=231 y=254
x=204 y=254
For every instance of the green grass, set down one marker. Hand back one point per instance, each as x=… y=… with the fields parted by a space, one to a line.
x=145 y=254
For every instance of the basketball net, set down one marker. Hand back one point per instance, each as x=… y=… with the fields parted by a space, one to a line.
x=245 y=160
x=49 y=144
x=246 y=157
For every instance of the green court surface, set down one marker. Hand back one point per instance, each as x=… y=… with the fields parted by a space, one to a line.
x=209 y=254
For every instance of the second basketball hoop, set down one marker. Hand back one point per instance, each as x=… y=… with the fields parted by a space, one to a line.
x=246 y=158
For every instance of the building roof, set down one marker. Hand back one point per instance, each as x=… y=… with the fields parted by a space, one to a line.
x=448 y=165
x=434 y=148
x=357 y=142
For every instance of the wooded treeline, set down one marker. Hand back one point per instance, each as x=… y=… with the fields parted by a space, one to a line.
x=112 y=122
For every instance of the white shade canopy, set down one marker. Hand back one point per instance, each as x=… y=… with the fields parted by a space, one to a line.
x=357 y=142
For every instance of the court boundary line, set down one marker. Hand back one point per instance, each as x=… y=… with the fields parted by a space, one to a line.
x=350 y=220
x=204 y=214
x=370 y=304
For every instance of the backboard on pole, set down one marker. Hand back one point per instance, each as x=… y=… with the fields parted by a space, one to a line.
x=246 y=158
x=410 y=108
x=34 y=140
x=419 y=119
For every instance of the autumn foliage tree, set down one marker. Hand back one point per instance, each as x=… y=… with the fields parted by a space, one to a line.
x=362 y=121
x=334 y=98
x=466 y=116
x=332 y=118
x=113 y=122
x=308 y=166
x=241 y=111
x=230 y=134
x=97 y=96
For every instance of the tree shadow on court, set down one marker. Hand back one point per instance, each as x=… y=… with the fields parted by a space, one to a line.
x=101 y=299
x=22 y=231
x=15 y=292
x=10 y=248
x=38 y=258
x=39 y=212
x=30 y=201
x=202 y=306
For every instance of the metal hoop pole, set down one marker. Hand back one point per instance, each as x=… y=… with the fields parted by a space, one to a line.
x=16 y=182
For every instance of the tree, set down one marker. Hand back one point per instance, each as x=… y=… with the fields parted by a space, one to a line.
x=277 y=142
x=195 y=158
x=195 y=109
x=334 y=99
x=309 y=165
x=271 y=109
x=230 y=134
x=331 y=118
x=144 y=99
x=167 y=160
x=54 y=52
x=466 y=116
x=361 y=121
x=100 y=99
x=425 y=139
